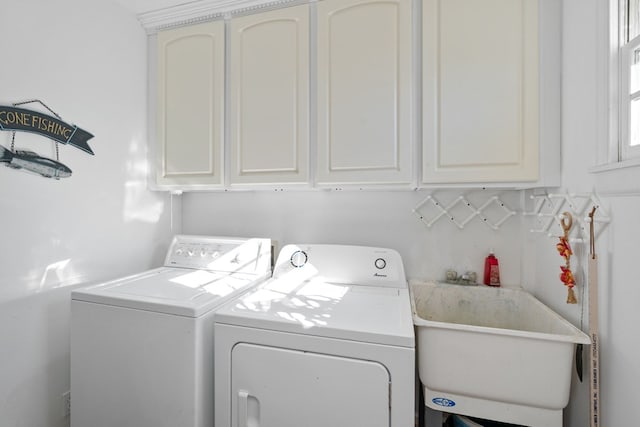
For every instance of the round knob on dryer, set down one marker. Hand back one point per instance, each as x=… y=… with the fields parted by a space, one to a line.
x=299 y=259
x=380 y=263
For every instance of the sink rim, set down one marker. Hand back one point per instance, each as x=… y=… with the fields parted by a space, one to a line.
x=575 y=336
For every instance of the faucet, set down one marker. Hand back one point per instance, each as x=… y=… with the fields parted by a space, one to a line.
x=467 y=278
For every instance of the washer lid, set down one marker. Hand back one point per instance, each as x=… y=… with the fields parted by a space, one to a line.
x=179 y=291
x=371 y=314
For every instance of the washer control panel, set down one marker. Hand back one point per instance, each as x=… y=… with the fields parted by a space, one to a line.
x=218 y=253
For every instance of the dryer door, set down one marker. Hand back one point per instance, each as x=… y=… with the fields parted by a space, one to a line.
x=274 y=387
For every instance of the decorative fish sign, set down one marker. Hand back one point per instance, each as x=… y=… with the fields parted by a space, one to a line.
x=20 y=119
x=33 y=162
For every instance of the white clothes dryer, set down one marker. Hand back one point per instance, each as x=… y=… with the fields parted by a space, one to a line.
x=142 y=346
x=328 y=341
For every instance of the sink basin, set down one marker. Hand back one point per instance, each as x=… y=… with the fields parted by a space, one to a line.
x=494 y=353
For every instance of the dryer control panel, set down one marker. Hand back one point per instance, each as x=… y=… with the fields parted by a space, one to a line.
x=226 y=254
x=357 y=265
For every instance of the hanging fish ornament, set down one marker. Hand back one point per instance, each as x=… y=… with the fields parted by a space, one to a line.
x=564 y=249
x=33 y=162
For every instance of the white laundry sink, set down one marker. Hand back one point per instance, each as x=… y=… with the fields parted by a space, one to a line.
x=494 y=353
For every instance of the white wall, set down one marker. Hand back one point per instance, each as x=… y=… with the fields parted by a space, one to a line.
x=371 y=218
x=617 y=246
x=87 y=61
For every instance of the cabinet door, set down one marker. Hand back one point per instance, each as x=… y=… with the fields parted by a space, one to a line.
x=190 y=104
x=480 y=91
x=364 y=78
x=270 y=97
x=275 y=387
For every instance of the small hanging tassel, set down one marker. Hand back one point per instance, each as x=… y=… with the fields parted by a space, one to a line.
x=564 y=249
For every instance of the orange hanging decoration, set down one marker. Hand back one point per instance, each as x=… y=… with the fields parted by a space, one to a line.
x=564 y=249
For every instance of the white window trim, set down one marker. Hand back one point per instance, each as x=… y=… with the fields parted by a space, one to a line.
x=613 y=108
x=625 y=59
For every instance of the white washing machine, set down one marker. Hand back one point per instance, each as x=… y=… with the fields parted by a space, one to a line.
x=328 y=341
x=142 y=346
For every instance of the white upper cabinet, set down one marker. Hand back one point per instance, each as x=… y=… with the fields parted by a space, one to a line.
x=269 y=97
x=363 y=92
x=190 y=105
x=482 y=93
x=331 y=103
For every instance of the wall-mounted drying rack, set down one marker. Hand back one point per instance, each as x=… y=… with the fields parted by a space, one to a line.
x=549 y=207
x=461 y=210
x=493 y=211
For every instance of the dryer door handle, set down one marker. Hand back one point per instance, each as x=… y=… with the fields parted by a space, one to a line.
x=243 y=408
x=248 y=410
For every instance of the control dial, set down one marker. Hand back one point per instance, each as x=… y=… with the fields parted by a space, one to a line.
x=299 y=259
x=380 y=263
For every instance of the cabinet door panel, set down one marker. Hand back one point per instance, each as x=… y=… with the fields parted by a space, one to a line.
x=190 y=104
x=364 y=63
x=270 y=97
x=480 y=101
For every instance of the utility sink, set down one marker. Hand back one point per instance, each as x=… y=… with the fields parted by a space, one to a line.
x=494 y=353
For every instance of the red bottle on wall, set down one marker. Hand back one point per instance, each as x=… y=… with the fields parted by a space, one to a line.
x=491 y=270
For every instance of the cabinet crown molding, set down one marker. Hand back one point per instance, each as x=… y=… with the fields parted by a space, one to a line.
x=204 y=10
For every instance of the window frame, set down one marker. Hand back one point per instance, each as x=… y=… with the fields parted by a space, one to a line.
x=621 y=52
x=626 y=51
x=612 y=152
